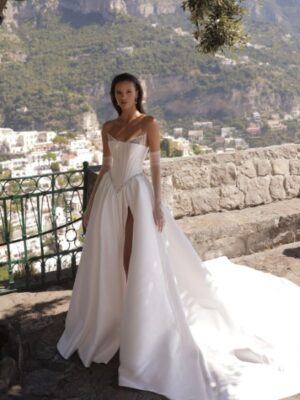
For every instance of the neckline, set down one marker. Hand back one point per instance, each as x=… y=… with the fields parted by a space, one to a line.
x=130 y=140
x=129 y=123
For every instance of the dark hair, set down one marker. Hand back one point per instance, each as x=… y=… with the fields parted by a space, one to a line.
x=130 y=78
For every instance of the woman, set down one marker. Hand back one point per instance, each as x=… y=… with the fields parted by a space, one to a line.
x=126 y=96
x=186 y=329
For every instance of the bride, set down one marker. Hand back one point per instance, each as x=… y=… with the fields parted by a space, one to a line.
x=186 y=329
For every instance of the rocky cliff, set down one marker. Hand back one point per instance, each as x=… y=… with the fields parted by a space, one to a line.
x=270 y=11
x=106 y=9
x=284 y=12
x=132 y=7
x=259 y=95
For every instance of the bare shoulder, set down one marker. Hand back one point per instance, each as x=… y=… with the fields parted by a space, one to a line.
x=151 y=128
x=149 y=122
x=107 y=125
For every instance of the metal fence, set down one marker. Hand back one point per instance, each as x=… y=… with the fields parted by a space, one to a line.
x=41 y=231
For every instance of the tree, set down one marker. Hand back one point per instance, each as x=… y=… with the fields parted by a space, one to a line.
x=49 y=156
x=60 y=139
x=218 y=23
x=5 y=173
x=55 y=167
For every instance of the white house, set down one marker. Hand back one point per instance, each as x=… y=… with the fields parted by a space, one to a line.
x=79 y=144
x=82 y=155
x=8 y=138
x=126 y=50
x=204 y=124
x=195 y=136
x=46 y=136
x=256 y=116
x=178 y=131
x=227 y=131
x=27 y=140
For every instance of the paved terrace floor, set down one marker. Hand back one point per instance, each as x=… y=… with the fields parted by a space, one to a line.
x=41 y=315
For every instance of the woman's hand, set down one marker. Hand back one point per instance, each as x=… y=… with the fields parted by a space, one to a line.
x=158 y=216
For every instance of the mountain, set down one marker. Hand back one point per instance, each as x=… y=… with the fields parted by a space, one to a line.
x=58 y=57
x=283 y=12
x=90 y=10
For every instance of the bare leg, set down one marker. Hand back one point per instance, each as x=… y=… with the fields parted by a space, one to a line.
x=128 y=241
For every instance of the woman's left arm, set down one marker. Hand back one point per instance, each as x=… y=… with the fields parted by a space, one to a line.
x=153 y=136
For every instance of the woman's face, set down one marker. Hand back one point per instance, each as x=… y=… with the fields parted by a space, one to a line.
x=126 y=94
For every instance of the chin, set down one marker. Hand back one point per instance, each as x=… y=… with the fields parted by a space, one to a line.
x=126 y=106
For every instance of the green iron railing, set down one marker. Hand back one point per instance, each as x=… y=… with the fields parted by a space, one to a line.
x=41 y=230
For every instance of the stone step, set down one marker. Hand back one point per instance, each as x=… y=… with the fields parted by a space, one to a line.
x=283 y=261
x=241 y=232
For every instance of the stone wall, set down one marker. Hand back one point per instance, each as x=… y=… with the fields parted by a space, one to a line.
x=221 y=182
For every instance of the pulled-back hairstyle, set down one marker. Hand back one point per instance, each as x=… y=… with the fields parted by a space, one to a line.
x=129 y=78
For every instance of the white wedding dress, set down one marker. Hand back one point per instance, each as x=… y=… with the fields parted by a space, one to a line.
x=186 y=329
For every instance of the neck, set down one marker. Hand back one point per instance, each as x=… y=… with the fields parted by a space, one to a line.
x=130 y=114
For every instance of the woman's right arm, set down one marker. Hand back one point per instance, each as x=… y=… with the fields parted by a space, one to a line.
x=106 y=165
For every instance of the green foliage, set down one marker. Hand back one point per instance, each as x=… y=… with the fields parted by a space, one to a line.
x=168 y=149
x=196 y=149
x=60 y=139
x=218 y=23
x=55 y=167
x=3 y=274
x=5 y=173
x=67 y=67
x=49 y=156
x=65 y=64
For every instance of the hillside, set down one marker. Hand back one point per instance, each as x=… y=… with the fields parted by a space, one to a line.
x=58 y=57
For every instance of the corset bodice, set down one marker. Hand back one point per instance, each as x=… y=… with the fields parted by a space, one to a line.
x=128 y=158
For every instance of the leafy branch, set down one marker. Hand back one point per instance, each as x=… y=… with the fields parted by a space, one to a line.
x=218 y=23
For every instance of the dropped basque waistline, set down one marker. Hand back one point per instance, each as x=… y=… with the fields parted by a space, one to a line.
x=126 y=182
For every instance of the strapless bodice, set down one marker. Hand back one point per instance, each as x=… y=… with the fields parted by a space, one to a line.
x=128 y=158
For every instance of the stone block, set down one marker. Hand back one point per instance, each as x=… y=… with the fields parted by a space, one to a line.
x=247 y=168
x=182 y=204
x=231 y=198
x=256 y=190
x=223 y=174
x=191 y=177
x=206 y=200
x=281 y=166
x=295 y=167
x=292 y=186
x=263 y=167
x=277 y=190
